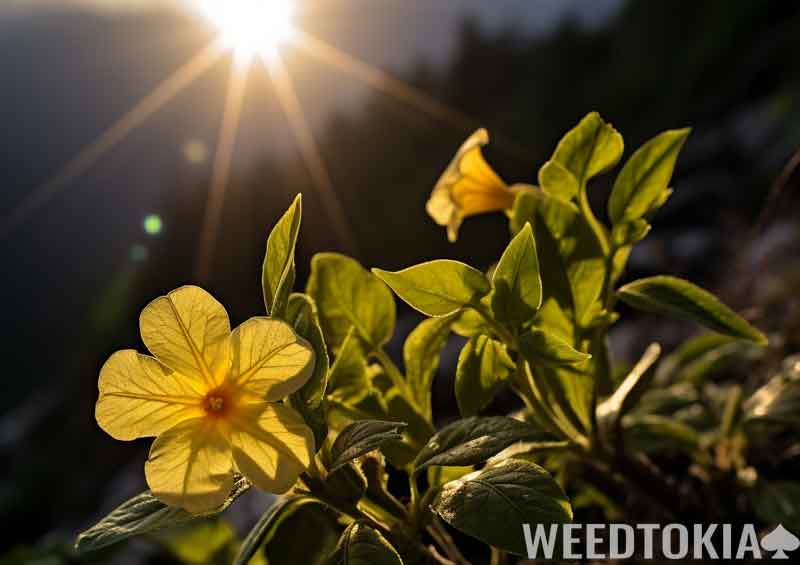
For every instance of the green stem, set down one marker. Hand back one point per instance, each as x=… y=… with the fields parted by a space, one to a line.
x=594 y=223
x=393 y=372
x=413 y=505
x=497 y=328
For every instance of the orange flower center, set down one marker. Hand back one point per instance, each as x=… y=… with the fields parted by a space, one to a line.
x=219 y=402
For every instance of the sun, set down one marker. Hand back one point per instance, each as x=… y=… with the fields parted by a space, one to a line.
x=250 y=28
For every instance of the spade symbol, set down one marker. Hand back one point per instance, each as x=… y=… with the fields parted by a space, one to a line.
x=780 y=540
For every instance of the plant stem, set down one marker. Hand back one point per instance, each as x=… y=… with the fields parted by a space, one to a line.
x=501 y=332
x=393 y=372
x=445 y=541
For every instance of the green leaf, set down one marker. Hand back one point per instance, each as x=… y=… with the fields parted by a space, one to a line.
x=302 y=314
x=677 y=298
x=347 y=295
x=269 y=521
x=362 y=437
x=566 y=244
x=590 y=148
x=473 y=440
x=777 y=502
x=415 y=436
x=438 y=475
x=777 y=401
x=282 y=544
x=642 y=183
x=542 y=348
x=346 y=486
x=437 y=288
x=517 y=285
x=348 y=382
x=555 y=179
x=483 y=504
x=421 y=352
x=652 y=433
x=362 y=545
x=142 y=514
x=278 y=272
x=483 y=365
x=628 y=233
x=202 y=541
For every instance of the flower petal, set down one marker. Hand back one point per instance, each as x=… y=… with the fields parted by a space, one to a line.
x=140 y=397
x=270 y=361
x=467 y=187
x=189 y=331
x=271 y=445
x=190 y=465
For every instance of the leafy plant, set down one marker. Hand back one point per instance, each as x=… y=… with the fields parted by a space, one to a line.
x=536 y=324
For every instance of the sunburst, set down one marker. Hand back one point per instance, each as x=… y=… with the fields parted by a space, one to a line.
x=249 y=31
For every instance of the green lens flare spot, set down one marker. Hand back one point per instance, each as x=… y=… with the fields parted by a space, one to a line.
x=152 y=224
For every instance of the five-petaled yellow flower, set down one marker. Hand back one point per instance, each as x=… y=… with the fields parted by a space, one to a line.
x=211 y=397
x=468 y=186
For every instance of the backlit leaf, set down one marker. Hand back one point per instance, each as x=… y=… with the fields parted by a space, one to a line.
x=142 y=514
x=437 y=288
x=421 y=352
x=485 y=503
x=590 y=148
x=517 y=284
x=362 y=545
x=542 y=348
x=482 y=366
x=474 y=440
x=348 y=295
x=362 y=437
x=643 y=180
x=677 y=298
x=278 y=271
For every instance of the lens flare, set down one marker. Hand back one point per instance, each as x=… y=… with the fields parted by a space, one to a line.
x=250 y=28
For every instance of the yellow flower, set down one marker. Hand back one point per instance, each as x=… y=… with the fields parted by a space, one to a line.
x=209 y=396
x=468 y=187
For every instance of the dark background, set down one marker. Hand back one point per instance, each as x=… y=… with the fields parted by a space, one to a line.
x=76 y=273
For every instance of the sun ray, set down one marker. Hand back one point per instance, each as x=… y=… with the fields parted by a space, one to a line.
x=89 y=155
x=399 y=89
x=220 y=174
x=311 y=154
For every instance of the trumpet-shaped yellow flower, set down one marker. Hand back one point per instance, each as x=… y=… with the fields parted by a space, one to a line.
x=468 y=187
x=210 y=396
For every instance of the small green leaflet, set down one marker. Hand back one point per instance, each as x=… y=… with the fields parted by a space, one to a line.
x=678 y=298
x=278 y=271
x=142 y=514
x=485 y=504
x=558 y=181
x=362 y=545
x=348 y=382
x=590 y=148
x=473 y=440
x=642 y=183
x=437 y=288
x=517 y=285
x=483 y=365
x=362 y=437
x=421 y=352
x=302 y=314
x=542 y=348
x=348 y=296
